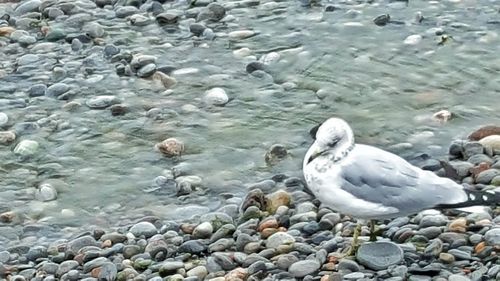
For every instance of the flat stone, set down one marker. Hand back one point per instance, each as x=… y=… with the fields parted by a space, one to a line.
x=302 y=268
x=492 y=237
x=278 y=239
x=100 y=102
x=379 y=255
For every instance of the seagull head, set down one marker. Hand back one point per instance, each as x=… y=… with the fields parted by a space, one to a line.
x=331 y=136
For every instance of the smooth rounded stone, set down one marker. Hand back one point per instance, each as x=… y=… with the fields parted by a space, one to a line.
x=101 y=102
x=169 y=267
x=278 y=239
x=458 y=277
x=197 y=28
x=28 y=6
x=27 y=60
x=433 y=220
x=382 y=20
x=255 y=66
x=483 y=132
x=225 y=230
x=143 y=228
x=221 y=245
x=146 y=70
x=491 y=142
x=241 y=34
x=4 y=119
x=193 y=247
x=7 y=137
x=462 y=168
x=431 y=165
x=169 y=17
x=97 y=262
x=37 y=90
x=203 y=230
x=76 y=244
x=110 y=50
x=275 y=154
x=36 y=252
x=354 y=276
x=302 y=268
x=66 y=266
x=492 y=237
x=139 y=20
x=171 y=147
x=139 y=61
x=472 y=148
x=26 y=40
x=348 y=265
x=485 y=177
x=285 y=261
x=125 y=11
x=57 y=90
x=166 y=80
x=413 y=39
x=494 y=181
x=55 y=35
x=200 y=272
x=216 y=96
x=479 y=158
x=270 y=58
x=26 y=148
x=46 y=192
x=94 y=29
x=379 y=255
x=460 y=255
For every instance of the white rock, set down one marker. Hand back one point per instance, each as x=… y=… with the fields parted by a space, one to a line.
x=492 y=142
x=216 y=96
x=413 y=39
x=270 y=58
x=242 y=52
x=442 y=116
x=46 y=193
x=3 y=119
x=203 y=230
x=241 y=34
x=26 y=148
x=67 y=213
x=193 y=180
x=279 y=238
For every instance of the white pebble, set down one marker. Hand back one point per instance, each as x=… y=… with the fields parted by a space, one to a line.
x=216 y=96
x=3 y=119
x=67 y=213
x=241 y=53
x=26 y=148
x=413 y=39
x=46 y=193
x=270 y=58
x=241 y=34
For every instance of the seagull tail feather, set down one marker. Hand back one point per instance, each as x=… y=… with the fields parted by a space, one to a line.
x=475 y=198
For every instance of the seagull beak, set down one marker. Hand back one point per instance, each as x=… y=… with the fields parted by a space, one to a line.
x=313 y=152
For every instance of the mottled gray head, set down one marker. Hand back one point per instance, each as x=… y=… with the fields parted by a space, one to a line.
x=333 y=136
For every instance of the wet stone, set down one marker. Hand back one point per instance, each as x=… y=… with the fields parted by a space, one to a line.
x=56 y=90
x=145 y=229
x=379 y=255
x=101 y=102
x=302 y=268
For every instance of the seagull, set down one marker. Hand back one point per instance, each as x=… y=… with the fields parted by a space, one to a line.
x=368 y=183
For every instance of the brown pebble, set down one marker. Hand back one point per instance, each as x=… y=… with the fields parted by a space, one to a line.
x=170 y=147
x=479 y=247
x=483 y=166
x=6 y=30
x=330 y=266
x=458 y=225
x=79 y=258
x=188 y=228
x=484 y=132
x=270 y=223
x=237 y=274
x=268 y=232
x=106 y=244
x=95 y=272
x=7 y=217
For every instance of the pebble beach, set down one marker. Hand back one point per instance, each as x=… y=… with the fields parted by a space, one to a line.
x=163 y=140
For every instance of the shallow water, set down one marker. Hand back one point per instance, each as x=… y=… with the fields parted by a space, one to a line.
x=361 y=72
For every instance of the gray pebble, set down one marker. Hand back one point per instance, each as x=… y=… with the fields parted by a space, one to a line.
x=492 y=237
x=485 y=177
x=56 y=90
x=100 y=102
x=146 y=70
x=302 y=268
x=144 y=228
x=379 y=255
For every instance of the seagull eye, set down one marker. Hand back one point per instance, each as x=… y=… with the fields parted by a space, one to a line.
x=333 y=142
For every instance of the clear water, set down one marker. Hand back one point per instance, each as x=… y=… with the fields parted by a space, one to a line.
x=365 y=74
